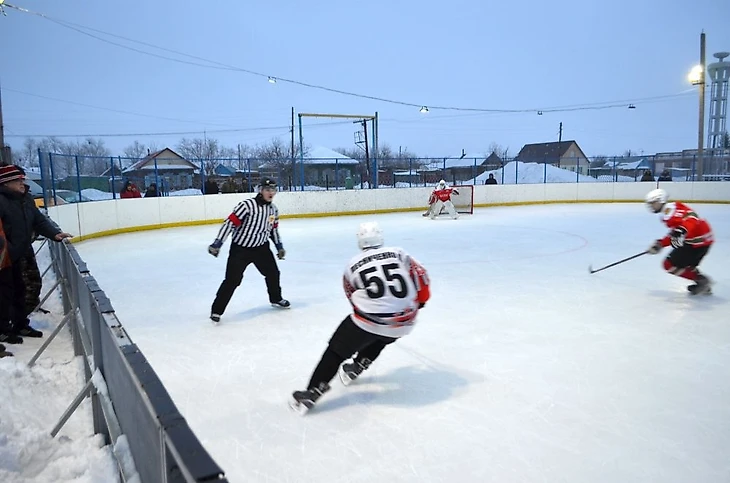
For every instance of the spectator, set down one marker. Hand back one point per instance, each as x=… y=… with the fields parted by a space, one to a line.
x=6 y=289
x=210 y=187
x=647 y=176
x=229 y=186
x=21 y=219
x=130 y=190
x=151 y=191
x=490 y=179
x=665 y=176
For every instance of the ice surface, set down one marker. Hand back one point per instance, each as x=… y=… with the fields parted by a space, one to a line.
x=523 y=367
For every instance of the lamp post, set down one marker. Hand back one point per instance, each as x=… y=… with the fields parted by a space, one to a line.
x=697 y=77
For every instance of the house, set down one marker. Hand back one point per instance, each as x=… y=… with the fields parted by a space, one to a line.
x=561 y=154
x=322 y=167
x=454 y=170
x=170 y=170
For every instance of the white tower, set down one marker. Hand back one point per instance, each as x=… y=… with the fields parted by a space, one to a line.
x=719 y=74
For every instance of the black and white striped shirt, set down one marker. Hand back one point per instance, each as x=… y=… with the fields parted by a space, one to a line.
x=252 y=223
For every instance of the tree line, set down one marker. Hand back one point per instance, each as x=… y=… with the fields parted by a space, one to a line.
x=93 y=156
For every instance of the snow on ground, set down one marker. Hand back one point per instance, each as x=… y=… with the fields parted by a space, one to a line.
x=32 y=401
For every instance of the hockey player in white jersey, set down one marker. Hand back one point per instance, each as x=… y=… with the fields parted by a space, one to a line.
x=441 y=198
x=386 y=288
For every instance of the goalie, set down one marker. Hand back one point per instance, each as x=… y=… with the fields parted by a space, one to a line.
x=440 y=199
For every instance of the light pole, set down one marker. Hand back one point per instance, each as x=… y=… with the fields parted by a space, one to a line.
x=697 y=77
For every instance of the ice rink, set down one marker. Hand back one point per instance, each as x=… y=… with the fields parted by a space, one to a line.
x=523 y=367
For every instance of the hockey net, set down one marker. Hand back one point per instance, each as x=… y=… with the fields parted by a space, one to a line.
x=464 y=201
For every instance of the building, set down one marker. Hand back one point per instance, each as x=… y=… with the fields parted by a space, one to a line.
x=170 y=170
x=562 y=154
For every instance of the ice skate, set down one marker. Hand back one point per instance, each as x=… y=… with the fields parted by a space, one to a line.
x=215 y=318
x=703 y=286
x=281 y=304
x=349 y=371
x=303 y=401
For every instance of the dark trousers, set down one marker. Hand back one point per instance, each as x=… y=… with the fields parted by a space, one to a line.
x=239 y=259
x=32 y=281
x=6 y=299
x=687 y=256
x=348 y=340
x=13 y=296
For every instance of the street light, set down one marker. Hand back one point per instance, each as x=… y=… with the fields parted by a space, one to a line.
x=697 y=78
x=695 y=75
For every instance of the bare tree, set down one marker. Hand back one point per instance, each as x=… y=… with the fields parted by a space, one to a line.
x=136 y=151
x=276 y=155
x=499 y=150
x=205 y=150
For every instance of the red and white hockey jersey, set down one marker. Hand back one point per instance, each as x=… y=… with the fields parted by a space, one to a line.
x=698 y=232
x=441 y=195
x=386 y=288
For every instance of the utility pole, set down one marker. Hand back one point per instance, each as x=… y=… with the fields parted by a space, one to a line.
x=367 y=152
x=701 y=130
x=4 y=153
x=560 y=133
x=292 y=137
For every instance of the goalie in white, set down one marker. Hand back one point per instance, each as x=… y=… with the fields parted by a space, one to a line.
x=441 y=198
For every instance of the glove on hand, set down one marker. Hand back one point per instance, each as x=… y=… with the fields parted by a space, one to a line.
x=280 y=253
x=677 y=237
x=655 y=248
x=215 y=248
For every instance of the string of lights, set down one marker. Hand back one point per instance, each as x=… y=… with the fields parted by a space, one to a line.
x=423 y=108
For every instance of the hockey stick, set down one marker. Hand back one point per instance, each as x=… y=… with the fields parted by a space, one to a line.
x=590 y=267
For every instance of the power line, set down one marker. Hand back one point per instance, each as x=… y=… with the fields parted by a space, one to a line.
x=222 y=66
x=176 y=133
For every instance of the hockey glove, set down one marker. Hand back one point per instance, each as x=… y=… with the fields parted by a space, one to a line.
x=215 y=248
x=280 y=252
x=655 y=248
x=677 y=237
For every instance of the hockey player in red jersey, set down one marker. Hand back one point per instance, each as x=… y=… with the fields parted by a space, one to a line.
x=441 y=198
x=386 y=288
x=690 y=235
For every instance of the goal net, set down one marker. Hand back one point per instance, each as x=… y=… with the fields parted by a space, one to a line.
x=464 y=201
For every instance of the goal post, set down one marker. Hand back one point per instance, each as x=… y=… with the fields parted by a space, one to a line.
x=464 y=200
x=373 y=158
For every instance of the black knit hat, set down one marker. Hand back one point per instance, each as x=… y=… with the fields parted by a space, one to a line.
x=10 y=173
x=267 y=183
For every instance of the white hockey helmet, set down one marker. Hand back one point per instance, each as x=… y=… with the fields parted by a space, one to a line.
x=442 y=184
x=656 y=199
x=369 y=235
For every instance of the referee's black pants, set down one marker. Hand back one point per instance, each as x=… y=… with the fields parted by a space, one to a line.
x=239 y=259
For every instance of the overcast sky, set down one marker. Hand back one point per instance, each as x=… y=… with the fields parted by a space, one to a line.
x=517 y=55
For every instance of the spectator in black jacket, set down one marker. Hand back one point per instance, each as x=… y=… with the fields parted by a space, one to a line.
x=491 y=179
x=151 y=191
x=647 y=176
x=21 y=219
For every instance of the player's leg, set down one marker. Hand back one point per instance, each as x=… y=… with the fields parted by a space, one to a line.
x=349 y=371
x=346 y=340
x=450 y=208
x=266 y=265
x=683 y=261
x=238 y=259
x=436 y=209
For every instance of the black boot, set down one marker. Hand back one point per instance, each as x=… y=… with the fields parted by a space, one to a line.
x=303 y=401
x=29 y=331
x=702 y=285
x=349 y=371
x=10 y=338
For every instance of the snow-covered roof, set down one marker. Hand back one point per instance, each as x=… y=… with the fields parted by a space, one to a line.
x=322 y=155
x=454 y=163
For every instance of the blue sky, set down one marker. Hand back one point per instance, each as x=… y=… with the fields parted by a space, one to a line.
x=463 y=53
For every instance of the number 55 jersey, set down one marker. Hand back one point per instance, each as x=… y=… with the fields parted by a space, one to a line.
x=386 y=288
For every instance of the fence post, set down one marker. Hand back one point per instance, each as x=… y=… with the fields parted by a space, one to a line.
x=78 y=176
x=53 y=177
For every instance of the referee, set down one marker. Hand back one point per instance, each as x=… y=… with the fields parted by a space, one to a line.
x=251 y=224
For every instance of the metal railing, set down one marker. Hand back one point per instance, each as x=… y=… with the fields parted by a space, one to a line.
x=71 y=178
x=130 y=406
